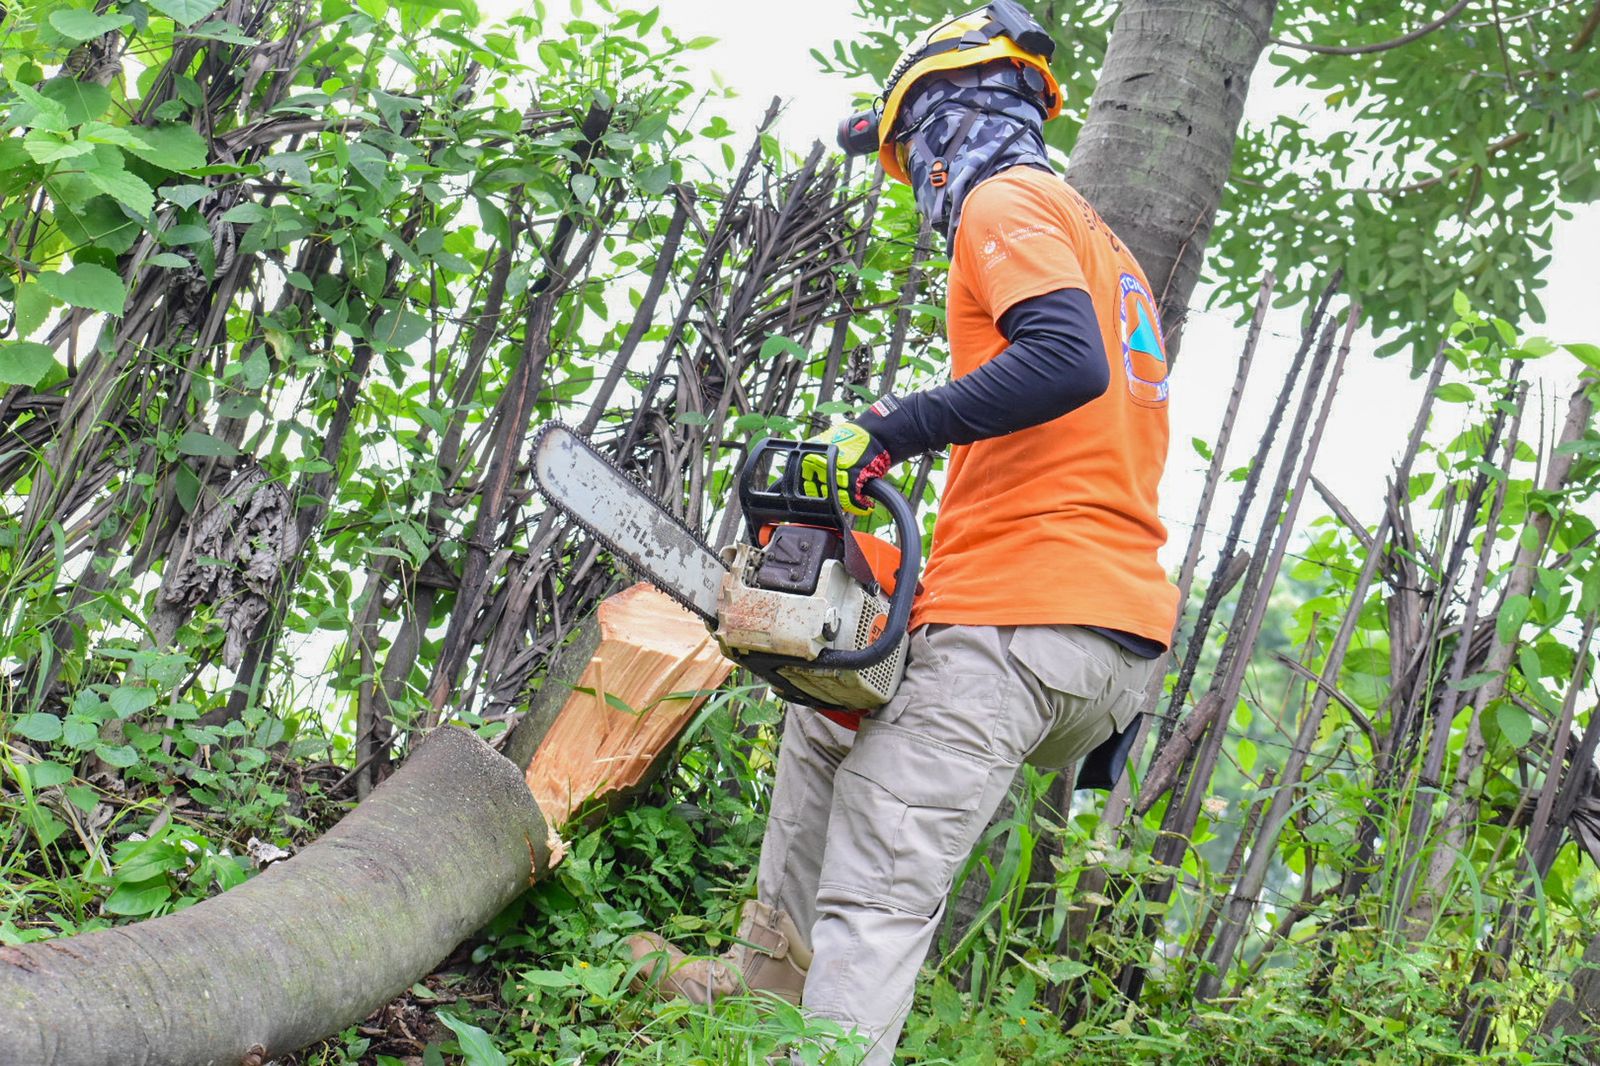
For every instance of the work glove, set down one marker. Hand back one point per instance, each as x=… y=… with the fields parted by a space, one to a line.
x=862 y=457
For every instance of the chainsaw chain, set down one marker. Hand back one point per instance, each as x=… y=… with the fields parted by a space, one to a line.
x=605 y=541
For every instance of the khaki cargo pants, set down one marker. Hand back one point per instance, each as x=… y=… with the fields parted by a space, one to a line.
x=867 y=830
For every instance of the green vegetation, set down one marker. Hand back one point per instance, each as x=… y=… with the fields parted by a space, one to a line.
x=284 y=286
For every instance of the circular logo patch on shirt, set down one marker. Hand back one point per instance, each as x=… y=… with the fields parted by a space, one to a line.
x=1144 y=358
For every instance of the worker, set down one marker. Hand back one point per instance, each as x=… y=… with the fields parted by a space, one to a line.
x=1044 y=611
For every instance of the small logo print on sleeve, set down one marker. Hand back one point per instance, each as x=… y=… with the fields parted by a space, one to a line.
x=1144 y=355
x=993 y=250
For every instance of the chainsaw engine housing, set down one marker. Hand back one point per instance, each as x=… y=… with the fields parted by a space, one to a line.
x=795 y=598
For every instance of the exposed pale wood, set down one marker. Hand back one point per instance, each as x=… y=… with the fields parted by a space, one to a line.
x=656 y=659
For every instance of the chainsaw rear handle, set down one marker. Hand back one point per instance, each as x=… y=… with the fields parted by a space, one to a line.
x=778 y=496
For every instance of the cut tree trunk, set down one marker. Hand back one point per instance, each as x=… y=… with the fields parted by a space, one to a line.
x=318 y=942
x=1157 y=146
x=654 y=667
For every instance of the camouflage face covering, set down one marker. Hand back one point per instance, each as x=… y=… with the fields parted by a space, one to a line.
x=979 y=121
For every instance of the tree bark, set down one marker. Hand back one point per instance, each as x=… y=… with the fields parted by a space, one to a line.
x=320 y=941
x=1578 y=1011
x=1157 y=146
x=310 y=946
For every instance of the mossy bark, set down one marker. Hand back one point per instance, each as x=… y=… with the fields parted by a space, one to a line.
x=310 y=946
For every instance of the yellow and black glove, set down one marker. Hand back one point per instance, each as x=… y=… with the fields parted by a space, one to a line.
x=862 y=457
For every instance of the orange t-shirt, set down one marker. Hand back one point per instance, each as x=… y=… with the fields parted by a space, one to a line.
x=1055 y=524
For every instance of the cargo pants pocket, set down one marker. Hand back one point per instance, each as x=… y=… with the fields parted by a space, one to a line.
x=1089 y=683
x=904 y=814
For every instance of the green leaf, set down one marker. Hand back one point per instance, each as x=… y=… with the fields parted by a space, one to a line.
x=48 y=774
x=1529 y=663
x=1516 y=725
x=583 y=186
x=186 y=12
x=1472 y=681
x=220 y=30
x=184 y=234
x=38 y=111
x=169 y=260
x=187 y=488
x=476 y=1047
x=546 y=978
x=184 y=195
x=396 y=329
x=131 y=699
x=1374 y=662
x=125 y=188
x=139 y=898
x=83 y=797
x=121 y=756
x=33 y=307
x=172 y=146
x=654 y=180
x=44 y=146
x=1512 y=614
x=80 y=25
x=107 y=134
x=79 y=732
x=24 y=362
x=246 y=212
x=1588 y=354
x=599 y=981
x=1454 y=392
x=370 y=163
x=88 y=285
x=100 y=223
x=778 y=344
x=38 y=726
x=194 y=442
x=80 y=100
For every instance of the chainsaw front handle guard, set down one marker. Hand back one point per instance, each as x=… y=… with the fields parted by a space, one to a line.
x=771 y=493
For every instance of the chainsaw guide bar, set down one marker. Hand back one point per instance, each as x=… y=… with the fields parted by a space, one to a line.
x=628 y=521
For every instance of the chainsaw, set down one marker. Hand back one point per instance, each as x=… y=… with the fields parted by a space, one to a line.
x=803 y=601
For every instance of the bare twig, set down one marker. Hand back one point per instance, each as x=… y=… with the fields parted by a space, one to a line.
x=1379 y=46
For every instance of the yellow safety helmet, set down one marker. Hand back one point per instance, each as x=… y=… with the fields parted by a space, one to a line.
x=1002 y=30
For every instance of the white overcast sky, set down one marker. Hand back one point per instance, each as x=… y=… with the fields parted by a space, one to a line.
x=764 y=49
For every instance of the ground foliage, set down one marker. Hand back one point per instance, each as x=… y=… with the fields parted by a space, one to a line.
x=285 y=285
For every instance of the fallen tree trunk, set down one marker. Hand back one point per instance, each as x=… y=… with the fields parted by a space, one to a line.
x=320 y=941
x=310 y=946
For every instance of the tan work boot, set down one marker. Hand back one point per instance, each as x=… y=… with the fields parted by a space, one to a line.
x=769 y=956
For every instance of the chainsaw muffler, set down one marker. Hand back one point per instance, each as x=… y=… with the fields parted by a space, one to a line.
x=794 y=599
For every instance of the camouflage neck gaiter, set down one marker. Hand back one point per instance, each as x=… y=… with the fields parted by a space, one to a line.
x=978 y=121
